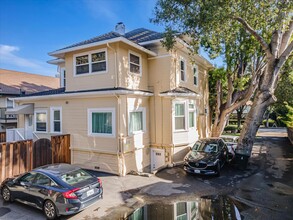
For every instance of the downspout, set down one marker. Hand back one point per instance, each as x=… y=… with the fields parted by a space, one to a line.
x=119 y=138
x=117 y=81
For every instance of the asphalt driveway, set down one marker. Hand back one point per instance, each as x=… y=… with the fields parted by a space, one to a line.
x=265 y=188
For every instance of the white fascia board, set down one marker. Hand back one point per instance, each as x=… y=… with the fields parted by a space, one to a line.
x=174 y=94
x=117 y=39
x=83 y=95
x=56 y=61
x=151 y=42
x=201 y=58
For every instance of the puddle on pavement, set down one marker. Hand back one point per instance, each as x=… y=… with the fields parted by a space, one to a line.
x=209 y=207
x=4 y=211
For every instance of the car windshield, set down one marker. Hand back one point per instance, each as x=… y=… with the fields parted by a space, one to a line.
x=230 y=139
x=75 y=177
x=207 y=147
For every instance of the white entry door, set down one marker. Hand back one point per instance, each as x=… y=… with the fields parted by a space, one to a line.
x=157 y=158
x=28 y=127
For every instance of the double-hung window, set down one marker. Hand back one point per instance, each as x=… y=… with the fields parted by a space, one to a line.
x=134 y=63
x=195 y=75
x=94 y=62
x=56 y=120
x=137 y=121
x=191 y=123
x=182 y=70
x=82 y=64
x=41 y=121
x=180 y=116
x=101 y=122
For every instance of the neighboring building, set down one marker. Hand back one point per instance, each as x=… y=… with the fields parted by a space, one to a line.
x=15 y=84
x=128 y=104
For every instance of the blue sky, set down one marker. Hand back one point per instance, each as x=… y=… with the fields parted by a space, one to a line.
x=29 y=29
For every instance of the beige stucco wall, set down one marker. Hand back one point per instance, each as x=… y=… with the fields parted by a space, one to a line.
x=117 y=74
x=127 y=79
x=90 y=81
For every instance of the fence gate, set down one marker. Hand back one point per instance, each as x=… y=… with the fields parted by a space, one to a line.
x=42 y=152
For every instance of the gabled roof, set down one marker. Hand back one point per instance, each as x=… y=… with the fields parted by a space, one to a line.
x=17 y=83
x=133 y=38
x=180 y=91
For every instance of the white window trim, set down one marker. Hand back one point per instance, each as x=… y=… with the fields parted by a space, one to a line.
x=185 y=66
x=194 y=118
x=143 y=110
x=35 y=120
x=6 y=103
x=185 y=114
x=62 y=78
x=140 y=63
x=52 y=109
x=197 y=79
x=101 y=110
x=89 y=53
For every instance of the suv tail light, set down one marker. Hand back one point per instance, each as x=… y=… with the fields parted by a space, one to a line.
x=70 y=194
x=100 y=181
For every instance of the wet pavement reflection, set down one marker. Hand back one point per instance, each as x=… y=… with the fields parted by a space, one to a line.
x=208 y=207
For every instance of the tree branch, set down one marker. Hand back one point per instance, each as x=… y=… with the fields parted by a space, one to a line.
x=276 y=43
x=284 y=56
x=262 y=42
x=230 y=90
x=286 y=37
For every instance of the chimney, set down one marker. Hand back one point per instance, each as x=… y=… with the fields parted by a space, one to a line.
x=120 y=28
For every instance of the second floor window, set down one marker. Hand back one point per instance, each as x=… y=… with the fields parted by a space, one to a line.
x=195 y=75
x=134 y=63
x=91 y=63
x=182 y=70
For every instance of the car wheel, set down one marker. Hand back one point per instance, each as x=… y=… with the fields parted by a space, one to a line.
x=50 y=210
x=6 y=194
x=218 y=169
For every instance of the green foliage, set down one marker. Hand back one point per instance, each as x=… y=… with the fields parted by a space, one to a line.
x=284 y=94
x=270 y=121
x=231 y=128
x=214 y=25
x=288 y=118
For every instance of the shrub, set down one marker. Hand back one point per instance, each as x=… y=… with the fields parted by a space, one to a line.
x=271 y=122
x=231 y=128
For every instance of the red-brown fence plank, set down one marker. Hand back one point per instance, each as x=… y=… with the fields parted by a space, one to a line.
x=2 y=137
x=22 y=156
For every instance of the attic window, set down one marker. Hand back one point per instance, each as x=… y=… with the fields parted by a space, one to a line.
x=94 y=62
x=134 y=63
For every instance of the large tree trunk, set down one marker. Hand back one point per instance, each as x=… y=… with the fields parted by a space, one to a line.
x=253 y=121
x=218 y=128
x=263 y=99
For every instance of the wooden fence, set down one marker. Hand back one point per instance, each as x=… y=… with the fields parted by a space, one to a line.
x=2 y=137
x=22 y=156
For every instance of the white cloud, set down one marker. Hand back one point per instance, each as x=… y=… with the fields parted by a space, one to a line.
x=10 y=60
x=8 y=56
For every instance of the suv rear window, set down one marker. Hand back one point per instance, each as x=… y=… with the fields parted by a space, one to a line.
x=75 y=177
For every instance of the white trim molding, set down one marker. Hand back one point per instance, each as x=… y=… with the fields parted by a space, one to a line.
x=102 y=110
x=35 y=120
x=89 y=54
x=52 y=110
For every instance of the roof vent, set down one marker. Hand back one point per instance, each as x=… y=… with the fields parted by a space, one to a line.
x=120 y=28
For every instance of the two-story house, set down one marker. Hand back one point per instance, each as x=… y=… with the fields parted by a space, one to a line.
x=128 y=103
x=15 y=84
